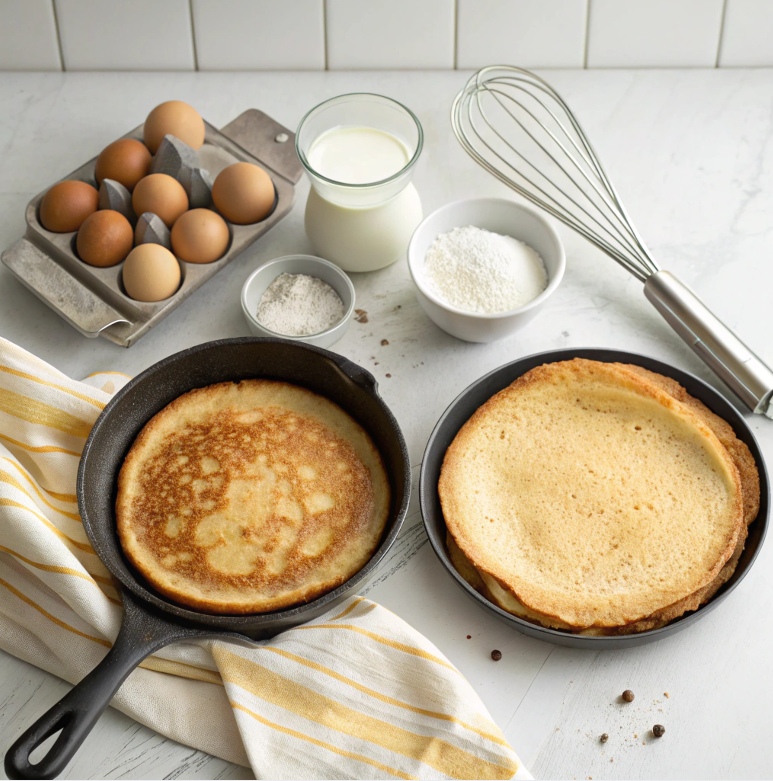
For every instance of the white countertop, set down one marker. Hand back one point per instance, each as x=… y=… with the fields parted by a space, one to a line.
x=691 y=153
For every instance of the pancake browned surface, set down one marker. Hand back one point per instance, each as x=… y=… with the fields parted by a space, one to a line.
x=593 y=498
x=750 y=485
x=739 y=451
x=251 y=497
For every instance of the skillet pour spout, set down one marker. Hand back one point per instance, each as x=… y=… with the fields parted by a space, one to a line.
x=150 y=621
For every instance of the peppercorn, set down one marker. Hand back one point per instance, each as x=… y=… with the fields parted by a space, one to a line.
x=658 y=730
x=628 y=695
x=604 y=738
x=496 y=655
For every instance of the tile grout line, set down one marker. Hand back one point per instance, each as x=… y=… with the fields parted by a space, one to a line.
x=58 y=35
x=721 y=32
x=456 y=35
x=587 y=35
x=193 y=36
x=324 y=35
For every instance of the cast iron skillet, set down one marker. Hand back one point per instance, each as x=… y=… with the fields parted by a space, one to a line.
x=150 y=621
x=479 y=392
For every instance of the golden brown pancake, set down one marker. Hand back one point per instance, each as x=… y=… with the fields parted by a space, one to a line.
x=750 y=484
x=589 y=499
x=250 y=497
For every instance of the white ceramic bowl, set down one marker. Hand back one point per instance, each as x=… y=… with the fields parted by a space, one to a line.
x=259 y=280
x=499 y=216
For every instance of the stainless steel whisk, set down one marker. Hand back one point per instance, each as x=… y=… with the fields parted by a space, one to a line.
x=517 y=127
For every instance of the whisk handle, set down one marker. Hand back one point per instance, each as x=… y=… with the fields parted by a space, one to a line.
x=743 y=371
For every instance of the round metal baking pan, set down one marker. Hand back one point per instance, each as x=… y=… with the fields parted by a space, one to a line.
x=483 y=389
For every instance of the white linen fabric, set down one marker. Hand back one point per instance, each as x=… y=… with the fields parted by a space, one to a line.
x=356 y=693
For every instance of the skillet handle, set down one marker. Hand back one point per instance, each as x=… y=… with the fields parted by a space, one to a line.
x=77 y=712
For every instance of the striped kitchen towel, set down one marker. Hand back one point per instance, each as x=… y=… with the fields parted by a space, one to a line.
x=356 y=693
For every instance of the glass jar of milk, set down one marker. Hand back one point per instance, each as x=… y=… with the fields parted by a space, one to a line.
x=359 y=152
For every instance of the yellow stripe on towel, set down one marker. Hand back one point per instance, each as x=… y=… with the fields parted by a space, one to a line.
x=34 y=411
x=348 y=609
x=80 y=545
x=321 y=743
x=82 y=396
x=48 y=615
x=439 y=754
x=63 y=570
x=41 y=448
x=383 y=697
x=408 y=649
x=70 y=498
x=98 y=374
x=10 y=480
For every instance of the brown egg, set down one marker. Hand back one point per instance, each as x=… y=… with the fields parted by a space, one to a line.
x=151 y=273
x=67 y=204
x=105 y=238
x=162 y=195
x=176 y=118
x=243 y=193
x=126 y=161
x=200 y=236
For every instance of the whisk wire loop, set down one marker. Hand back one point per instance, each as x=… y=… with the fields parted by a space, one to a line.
x=571 y=184
x=612 y=229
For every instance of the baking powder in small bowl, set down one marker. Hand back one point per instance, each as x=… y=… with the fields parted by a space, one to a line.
x=299 y=305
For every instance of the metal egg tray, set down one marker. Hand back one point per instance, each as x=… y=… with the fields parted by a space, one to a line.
x=93 y=300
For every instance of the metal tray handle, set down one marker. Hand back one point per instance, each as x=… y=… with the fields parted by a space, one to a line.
x=60 y=290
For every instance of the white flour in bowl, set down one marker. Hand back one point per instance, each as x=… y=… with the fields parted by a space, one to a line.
x=479 y=271
x=299 y=305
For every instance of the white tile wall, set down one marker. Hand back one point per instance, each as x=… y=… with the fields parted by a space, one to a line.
x=528 y=33
x=747 y=34
x=28 y=36
x=653 y=33
x=126 y=34
x=390 y=34
x=259 y=34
